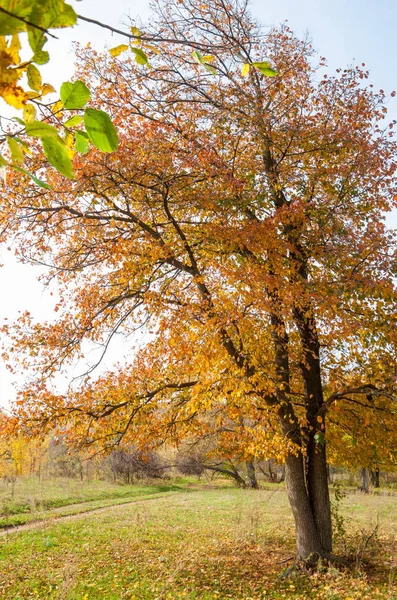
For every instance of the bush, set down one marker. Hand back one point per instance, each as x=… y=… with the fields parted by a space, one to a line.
x=129 y=463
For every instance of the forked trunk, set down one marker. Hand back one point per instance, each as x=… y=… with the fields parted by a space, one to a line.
x=308 y=497
x=308 y=491
x=308 y=541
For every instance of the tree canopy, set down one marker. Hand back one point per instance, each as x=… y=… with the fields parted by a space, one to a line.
x=239 y=230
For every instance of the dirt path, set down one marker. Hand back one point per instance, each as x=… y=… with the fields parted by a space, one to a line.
x=53 y=518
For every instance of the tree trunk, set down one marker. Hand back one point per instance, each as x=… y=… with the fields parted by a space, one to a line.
x=251 y=475
x=309 y=545
x=271 y=474
x=308 y=492
x=317 y=484
x=308 y=542
x=364 y=480
x=375 y=478
x=232 y=472
x=316 y=473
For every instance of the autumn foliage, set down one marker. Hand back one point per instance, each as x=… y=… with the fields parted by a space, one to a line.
x=237 y=237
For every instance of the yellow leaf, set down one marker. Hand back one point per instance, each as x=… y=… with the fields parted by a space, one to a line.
x=245 y=70
x=14 y=48
x=209 y=58
x=14 y=95
x=136 y=31
x=33 y=95
x=29 y=113
x=118 y=49
x=69 y=141
x=57 y=107
x=47 y=89
x=152 y=48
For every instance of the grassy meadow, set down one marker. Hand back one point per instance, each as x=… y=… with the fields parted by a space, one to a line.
x=199 y=543
x=30 y=499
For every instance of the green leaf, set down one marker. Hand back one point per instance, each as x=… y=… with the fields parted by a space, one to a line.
x=16 y=151
x=201 y=60
x=22 y=142
x=100 y=130
x=140 y=56
x=10 y=25
x=198 y=57
x=319 y=438
x=41 y=57
x=19 y=120
x=38 y=181
x=209 y=68
x=75 y=120
x=36 y=39
x=265 y=68
x=269 y=72
x=74 y=95
x=52 y=14
x=67 y=18
x=81 y=141
x=3 y=162
x=41 y=130
x=58 y=156
x=34 y=78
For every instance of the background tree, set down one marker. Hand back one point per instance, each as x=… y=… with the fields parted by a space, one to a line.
x=19 y=454
x=240 y=227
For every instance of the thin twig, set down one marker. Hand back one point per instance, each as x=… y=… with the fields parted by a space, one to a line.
x=142 y=38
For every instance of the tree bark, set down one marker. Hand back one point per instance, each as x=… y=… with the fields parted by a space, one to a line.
x=316 y=473
x=308 y=542
x=231 y=472
x=375 y=478
x=251 y=475
x=317 y=483
x=308 y=492
x=364 y=480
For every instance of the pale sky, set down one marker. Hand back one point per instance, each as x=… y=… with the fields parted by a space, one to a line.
x=344 y=31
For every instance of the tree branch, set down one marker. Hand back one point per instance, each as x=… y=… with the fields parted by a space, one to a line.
x=368 y=390
x=28 y=23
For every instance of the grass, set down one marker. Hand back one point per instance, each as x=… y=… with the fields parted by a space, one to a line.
x=211 y=544
x=30 y=499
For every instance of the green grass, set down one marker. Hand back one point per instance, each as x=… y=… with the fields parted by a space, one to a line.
x=30 y=499
x=211 y=544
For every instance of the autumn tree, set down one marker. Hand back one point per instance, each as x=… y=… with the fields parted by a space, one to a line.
x=19 y=453
x=237 y=237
